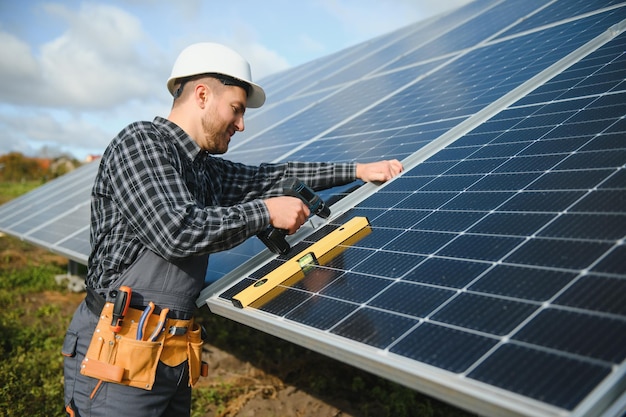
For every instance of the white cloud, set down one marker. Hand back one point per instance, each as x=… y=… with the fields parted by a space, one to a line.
x=18 y=68
x=95 y=63
x=263 y=61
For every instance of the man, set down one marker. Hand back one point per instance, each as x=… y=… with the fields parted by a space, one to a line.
x=160 y=204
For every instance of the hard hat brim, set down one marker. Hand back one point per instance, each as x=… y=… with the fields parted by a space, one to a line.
x=256 y=94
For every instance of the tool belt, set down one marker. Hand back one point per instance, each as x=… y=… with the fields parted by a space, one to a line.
x=124 y=358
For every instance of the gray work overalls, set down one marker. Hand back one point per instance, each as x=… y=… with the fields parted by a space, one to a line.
x=173 y=285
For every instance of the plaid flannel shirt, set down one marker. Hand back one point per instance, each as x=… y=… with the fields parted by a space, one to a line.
x=157 y=190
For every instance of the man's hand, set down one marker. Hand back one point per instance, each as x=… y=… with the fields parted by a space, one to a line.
x=380 y=171
x=288 y=213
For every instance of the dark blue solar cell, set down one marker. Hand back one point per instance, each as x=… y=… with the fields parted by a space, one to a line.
x=558 y=253
x=451 y=183
x=452 y=153
x=280 y=301
x=348 y=258
x=388 y=264
x=446 y=272
x=546 y=201
x=560 y=10
x=587 y=129
x=548 y=377
x=606 y=141
x=411 y=299
x=384 y=200
x=522 y=282
x=569 y=180
x=476 y=166
x=418 y=242
x=477 y=200
x=399 y=218
x=449 y=221
x=515 y=224
x=407 y=183
x=614 y=158
x=373 y=327
x=616 y=181
x=617 y=127
x=354 y=287
x=472 y=139
x=321 y=312
x=504 y=182
x=529 y=163
x=430 y=168
x=554 y=146
x=377 y=238
x=602 y=201
x=583 y=334
x=599 y=113
x=613 y=263
x=443 y=347
x=546 y=119
x=426 y=200
x=499 y=150
x=486 y=248
x=486 y=314
x=587 y=226
x=596 y=293
x=565 y=107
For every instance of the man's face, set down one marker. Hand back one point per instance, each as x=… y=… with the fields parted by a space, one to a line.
x=222 y=118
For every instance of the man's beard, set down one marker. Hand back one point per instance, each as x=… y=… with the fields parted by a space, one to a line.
x=213 y=136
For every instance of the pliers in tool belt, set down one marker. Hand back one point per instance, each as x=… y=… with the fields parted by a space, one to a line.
x=143 y=321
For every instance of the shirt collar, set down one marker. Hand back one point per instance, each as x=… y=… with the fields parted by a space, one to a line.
x=179 y=136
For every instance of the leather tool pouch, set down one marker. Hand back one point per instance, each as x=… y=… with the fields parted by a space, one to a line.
x=119 y=357
x=194 y=352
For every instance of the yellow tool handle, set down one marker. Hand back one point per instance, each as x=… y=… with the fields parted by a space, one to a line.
x=295 y=268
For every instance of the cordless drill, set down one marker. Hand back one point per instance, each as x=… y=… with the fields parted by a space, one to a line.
x=274 y=238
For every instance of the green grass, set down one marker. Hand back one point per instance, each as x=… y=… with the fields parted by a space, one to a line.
x=31 y=367
x=10 y=190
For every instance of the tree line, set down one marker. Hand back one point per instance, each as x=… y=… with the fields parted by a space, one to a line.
x=16 y=167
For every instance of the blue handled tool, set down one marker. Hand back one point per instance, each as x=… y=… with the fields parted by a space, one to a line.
x=143 y=321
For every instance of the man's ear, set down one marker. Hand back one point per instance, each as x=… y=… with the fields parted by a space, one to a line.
x=202 y=94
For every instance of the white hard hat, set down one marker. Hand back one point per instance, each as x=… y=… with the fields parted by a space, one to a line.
x=213 y=58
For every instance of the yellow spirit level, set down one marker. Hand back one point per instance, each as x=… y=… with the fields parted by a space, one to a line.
x=320 y=253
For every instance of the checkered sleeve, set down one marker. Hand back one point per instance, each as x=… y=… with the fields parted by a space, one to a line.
x=245 y=183
x=146 y=185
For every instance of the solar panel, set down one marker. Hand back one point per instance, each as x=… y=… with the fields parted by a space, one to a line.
x=494 y=275
x=55 y=215
x=469 y=277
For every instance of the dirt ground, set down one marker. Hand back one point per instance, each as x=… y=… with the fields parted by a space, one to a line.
x=264 y=395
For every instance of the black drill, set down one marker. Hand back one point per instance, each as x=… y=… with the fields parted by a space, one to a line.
x=274 y=238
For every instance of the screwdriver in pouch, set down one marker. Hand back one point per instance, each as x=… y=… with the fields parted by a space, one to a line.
x=120 y=307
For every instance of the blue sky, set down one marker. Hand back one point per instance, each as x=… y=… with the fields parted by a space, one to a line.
x=74 y=73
